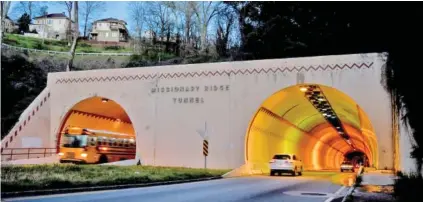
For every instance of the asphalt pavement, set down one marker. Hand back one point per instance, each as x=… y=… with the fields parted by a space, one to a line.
x=245 y=189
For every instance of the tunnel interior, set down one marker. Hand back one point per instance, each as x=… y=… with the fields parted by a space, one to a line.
x=357 y=157
x=108 y=126
x=319 y=124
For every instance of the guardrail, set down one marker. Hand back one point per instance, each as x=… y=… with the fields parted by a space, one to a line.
x=26 y=153
x=6 y=46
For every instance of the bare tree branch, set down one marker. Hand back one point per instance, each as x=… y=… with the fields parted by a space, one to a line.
x=90 y=9
x=206 y=12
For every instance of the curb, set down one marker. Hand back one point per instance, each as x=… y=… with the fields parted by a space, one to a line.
x=352 y=188
x=98 y=188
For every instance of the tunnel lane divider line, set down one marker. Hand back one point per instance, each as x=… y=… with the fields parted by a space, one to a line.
x=99 y=188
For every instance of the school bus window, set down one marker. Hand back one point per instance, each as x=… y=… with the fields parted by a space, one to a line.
x=92 y=141
x=131 y=142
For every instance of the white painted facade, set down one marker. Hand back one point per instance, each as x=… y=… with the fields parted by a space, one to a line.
x=168 y=132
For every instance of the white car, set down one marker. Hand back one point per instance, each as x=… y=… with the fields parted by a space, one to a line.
x=286 y=163
x=347 y=165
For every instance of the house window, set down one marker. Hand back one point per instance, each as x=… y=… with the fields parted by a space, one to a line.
x=114 y=34
x=50 y=22
x=107 y=34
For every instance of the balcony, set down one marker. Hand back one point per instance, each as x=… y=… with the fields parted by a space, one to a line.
x=117 y=26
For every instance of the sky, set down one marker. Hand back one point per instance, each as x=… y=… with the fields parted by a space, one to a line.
x=114 y=9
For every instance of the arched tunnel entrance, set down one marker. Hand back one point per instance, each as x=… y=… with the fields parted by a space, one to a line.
x=319 y=124
x=96 y=130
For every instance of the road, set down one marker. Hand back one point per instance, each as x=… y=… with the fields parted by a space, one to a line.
x=246 y=189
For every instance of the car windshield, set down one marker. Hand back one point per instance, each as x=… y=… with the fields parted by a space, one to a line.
x=282 y=157
x=346 y=162
x=74 y=141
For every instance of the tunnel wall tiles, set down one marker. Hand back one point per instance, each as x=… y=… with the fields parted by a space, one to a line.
x=168 y=122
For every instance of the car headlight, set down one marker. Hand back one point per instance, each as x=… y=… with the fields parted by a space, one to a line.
x=84 y=155
x=61 y=154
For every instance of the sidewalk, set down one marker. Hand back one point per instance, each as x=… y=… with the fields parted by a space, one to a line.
x=378 y=178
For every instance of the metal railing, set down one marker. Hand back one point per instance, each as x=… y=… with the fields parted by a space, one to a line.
x=6 y=46
x=7 y=154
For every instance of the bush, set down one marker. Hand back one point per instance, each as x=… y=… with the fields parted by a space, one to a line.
x=113 y=48
x=40 y=46
x=84 y=45
x=408 y=188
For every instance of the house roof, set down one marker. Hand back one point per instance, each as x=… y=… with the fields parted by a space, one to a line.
x=53 y=15
x=110 y=20
x=8 y=18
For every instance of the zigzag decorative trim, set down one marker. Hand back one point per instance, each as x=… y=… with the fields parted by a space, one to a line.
x=211 y=73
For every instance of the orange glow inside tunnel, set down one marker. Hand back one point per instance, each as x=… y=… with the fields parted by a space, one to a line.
x=99 y=114
x=287 y=123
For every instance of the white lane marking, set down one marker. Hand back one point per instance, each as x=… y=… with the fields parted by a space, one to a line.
x=340 y=190
x=336 y=193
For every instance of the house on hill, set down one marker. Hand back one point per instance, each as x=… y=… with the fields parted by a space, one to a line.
x=54 y=25
x=109 y=30
x=9 y=25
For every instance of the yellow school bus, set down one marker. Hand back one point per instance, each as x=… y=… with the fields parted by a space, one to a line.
x=83 y=145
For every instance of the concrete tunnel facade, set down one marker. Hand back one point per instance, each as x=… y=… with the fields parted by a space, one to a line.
x=170 y=108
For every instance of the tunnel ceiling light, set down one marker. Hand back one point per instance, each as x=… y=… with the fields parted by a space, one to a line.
x=317 y=98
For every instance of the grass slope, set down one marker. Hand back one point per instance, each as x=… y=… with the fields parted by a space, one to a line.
x=55 y=45
x=41 y=177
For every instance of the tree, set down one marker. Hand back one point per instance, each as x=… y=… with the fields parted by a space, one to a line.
x=29 y=7
x=158 y=14
x=205 y=12
x=23 y=23
x=186 y=8
x=68 y=6
x=240 y=9
x=42 y=10
x=75 y=31
x=224 y=26
x=90 y=9
x=5 y=5
x=137 y=12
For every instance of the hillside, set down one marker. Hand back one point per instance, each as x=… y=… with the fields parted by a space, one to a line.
x=55 y=45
